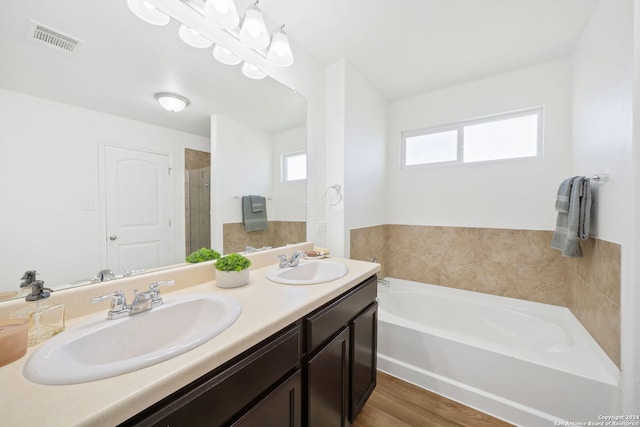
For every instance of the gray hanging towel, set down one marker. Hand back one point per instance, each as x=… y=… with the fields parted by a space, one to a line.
x=574 y=219
x=254 y=213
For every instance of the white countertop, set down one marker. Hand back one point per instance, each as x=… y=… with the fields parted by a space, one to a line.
x=267 y=307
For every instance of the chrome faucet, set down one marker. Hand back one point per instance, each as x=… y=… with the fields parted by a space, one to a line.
x=293 y=261
x=104 y=275
x=28 y=278
x=142 y=301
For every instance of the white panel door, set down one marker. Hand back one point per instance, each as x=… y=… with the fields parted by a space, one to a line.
x=138 y=209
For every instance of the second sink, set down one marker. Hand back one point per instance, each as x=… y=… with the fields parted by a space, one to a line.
x=308 y=273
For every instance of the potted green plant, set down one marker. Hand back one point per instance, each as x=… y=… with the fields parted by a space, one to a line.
x=232 y=271
x=202 y=254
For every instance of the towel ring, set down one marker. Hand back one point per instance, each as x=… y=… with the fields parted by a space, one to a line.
x=338 y=190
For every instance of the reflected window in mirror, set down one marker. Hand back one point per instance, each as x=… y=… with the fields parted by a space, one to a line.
x=294 y=166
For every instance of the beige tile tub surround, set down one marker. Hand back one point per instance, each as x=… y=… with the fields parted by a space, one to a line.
x=278 y=233
x=512 y=263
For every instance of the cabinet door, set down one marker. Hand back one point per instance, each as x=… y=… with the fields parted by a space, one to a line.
x=328 y=384
x=364 y=340
x=281 y=408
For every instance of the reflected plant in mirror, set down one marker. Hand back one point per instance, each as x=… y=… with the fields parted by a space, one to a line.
x=94 y=170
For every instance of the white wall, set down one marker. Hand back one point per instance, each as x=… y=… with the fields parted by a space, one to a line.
x=602 y=142
x=289 y=198
x=365 y=151
x=355 y=155
x=49 y=181
x=335 y=82
x=240 y=166
x=507 y=194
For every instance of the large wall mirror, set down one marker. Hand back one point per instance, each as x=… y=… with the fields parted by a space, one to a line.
x=68 y=120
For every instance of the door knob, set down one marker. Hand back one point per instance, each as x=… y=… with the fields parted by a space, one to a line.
x=113 y=237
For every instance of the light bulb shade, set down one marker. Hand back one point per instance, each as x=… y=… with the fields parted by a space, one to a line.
x=171 y=101
x=253 y=32
x=194 y=38
x=279 y=50
x=223 y=13
x=225 y=56
x=148 y=12
x=253 y=72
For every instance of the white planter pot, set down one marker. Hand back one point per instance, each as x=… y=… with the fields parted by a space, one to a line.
x=232 y=279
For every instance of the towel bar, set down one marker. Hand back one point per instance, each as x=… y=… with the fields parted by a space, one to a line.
x=240 y=197
x=601 y=177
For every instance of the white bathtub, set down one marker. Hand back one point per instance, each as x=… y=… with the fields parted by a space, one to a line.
x=528 y=363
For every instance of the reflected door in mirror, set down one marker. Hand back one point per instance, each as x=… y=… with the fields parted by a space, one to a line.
x=138 y=209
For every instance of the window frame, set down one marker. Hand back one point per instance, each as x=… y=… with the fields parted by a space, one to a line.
x=284 y=168
x=459 y=128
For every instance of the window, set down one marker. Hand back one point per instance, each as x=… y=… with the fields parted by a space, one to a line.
x=507 y=136
x=294 y=166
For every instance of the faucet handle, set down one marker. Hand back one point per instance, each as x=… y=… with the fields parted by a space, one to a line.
x=155 y=285
x=283 y=260
x=154 y=290
x=119 y=301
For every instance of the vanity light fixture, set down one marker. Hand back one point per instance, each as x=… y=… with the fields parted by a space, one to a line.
x=252 y=71
x=225 y=56
x=171 y=101
x=253 y=32
x=223 y=13
x=148 y=12
x=279 y=50
x=194 y=38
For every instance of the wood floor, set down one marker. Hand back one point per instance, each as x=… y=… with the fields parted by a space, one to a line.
x=396 y=403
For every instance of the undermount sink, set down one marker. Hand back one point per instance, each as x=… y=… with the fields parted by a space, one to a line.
x=104 y=348
x=308 y=272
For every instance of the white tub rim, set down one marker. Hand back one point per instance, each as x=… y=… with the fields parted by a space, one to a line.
x=608 y=372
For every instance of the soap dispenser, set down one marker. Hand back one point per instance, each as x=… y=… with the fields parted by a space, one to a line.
x=45 y=318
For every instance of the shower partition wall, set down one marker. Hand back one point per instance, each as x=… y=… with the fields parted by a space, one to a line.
x=197 y=200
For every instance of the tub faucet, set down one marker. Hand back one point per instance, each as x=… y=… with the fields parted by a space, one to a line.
x=142 y=301
x=293 y=261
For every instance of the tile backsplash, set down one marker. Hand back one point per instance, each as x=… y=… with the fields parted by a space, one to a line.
x=278 y=233
x=512 y=263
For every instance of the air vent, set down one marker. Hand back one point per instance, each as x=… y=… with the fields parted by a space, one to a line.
x=55 y=39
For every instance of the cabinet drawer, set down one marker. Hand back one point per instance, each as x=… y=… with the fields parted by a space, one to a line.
x=327 y=321
x=281 y=408
x=218 y=399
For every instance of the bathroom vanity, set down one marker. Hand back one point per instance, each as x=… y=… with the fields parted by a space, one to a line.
x=319 y=371
x=297 y=355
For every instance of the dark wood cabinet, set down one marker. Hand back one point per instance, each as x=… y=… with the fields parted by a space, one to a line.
x=317 y=372
x=328 y=384
x=281 y=408
x=363 y=347
x=341 y=352
x=222 y=396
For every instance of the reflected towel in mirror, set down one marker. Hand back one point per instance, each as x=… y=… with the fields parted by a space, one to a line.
x=254 y=213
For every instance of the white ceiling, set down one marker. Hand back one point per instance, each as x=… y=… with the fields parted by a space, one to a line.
x=408 y=47
x=403 y=48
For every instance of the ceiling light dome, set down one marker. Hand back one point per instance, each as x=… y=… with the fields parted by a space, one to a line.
x=194 y=38
x=253 y=32
x=148 y=12
x=225 y=56
x=279 y=50
x=171 y=101
x=222 y=13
